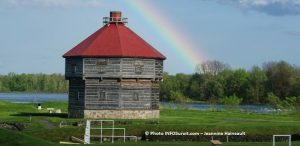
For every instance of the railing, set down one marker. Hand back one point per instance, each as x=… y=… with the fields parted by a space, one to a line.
x=107 y=20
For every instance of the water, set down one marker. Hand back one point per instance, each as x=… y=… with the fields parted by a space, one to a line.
x=32 y=97
x=42 y=97
x=219 y=107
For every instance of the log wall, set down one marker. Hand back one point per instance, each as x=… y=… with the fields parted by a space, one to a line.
x=114 y=68
x=130 y=85
x=73 y=67
x=76 y=93
x=125 y=94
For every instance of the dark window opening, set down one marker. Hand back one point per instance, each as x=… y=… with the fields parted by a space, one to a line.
x=102 y=96
x=102 y=69
x=74 y=68
x=78 y=95
x=136 y=96
x=101 y=62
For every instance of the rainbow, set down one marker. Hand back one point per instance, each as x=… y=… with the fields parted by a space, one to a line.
x=169 y=33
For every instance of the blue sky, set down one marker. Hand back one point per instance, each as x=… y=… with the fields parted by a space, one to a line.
x=34 y=34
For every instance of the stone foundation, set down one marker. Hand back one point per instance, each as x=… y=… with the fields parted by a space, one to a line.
x=114 y=114
x=73 y=113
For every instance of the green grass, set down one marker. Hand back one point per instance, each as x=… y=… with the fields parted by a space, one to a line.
x=11 y=138
x=170 y=120
x=248 y=122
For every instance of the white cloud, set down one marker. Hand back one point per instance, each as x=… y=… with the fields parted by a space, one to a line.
x=54 y=3
x=271 y=7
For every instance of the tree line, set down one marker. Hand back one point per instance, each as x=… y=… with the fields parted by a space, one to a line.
x=48 y=83
x=274 y=83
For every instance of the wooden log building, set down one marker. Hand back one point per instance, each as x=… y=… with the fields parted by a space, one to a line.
x=114 y=73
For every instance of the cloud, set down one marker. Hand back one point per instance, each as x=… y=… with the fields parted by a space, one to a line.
x=54 y=3
x=271 y=7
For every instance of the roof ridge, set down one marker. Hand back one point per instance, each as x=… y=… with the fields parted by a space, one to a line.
x=119 y=38
x=153 y=49
x=95 y=38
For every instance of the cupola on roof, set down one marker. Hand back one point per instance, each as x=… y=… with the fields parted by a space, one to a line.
x=114 y=39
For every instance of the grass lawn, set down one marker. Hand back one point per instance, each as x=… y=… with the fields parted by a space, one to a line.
x=43 y=128
x=12 y=138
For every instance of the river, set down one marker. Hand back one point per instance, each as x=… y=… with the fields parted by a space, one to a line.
x=43 y=97
x=33 y=97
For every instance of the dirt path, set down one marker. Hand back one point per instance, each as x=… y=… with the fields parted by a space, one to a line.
x=46 y=123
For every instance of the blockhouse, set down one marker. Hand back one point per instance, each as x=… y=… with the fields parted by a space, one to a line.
x=114 y=73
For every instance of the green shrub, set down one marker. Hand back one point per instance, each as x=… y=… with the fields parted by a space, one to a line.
x=231 y=100
x=273 y=100
x=179 y=97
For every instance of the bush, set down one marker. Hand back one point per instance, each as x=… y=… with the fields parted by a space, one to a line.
x=179 y=97
x=290 y=102
x=273 y=100
x=231 y=100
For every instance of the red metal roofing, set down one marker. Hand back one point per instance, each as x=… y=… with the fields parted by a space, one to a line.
x=114 y=40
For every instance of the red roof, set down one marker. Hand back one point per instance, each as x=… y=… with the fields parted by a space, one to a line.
x=114 y=40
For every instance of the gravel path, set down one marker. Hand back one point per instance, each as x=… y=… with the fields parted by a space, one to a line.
x=46 y=123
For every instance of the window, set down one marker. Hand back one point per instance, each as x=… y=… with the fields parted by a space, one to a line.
x=159 y=68
x=101 y=65
x=102 y=96
x=139 y=67
x=135 y=96
x=101 y=62
x=74 y=68
x=78 y=95
x=101 y=69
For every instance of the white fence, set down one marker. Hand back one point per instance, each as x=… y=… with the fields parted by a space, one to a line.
x=88 y=128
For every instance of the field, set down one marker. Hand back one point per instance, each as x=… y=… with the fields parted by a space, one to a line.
x=41 y=128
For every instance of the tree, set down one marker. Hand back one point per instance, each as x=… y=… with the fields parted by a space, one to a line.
x=290 y=102
x=213 y=89
x=212 y=67
x=236 y=83
x=33 y=83
x=182 y=82
x=256 y=85
x=174 y=87
x=295 y=87
x=280 y=75
x=273 y=100
x=194 y=90
x=169 y=84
